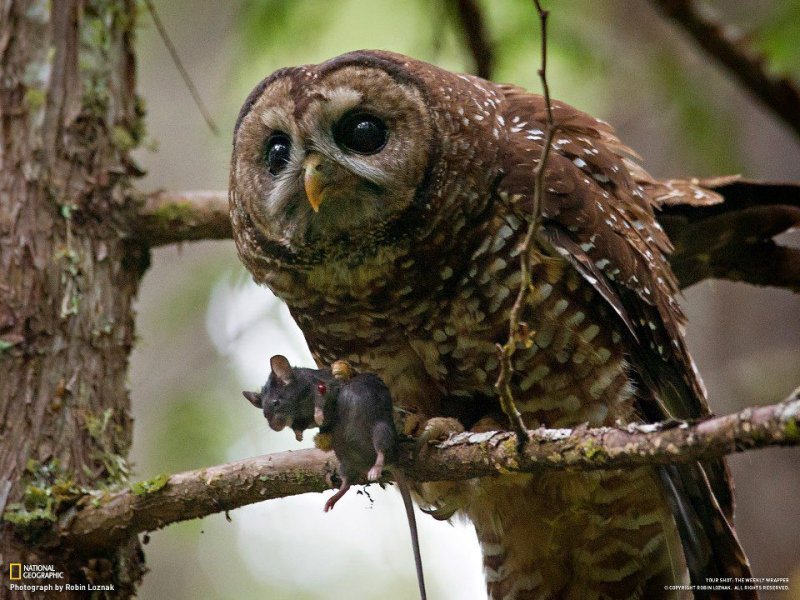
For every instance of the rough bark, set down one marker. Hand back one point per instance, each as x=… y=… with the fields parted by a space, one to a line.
x=68 y=116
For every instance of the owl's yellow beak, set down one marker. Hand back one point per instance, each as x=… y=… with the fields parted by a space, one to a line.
x=313 y=180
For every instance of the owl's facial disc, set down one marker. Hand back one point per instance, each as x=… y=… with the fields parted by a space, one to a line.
x=332 y=154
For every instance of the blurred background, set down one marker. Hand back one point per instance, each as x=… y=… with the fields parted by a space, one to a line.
x=206 y=331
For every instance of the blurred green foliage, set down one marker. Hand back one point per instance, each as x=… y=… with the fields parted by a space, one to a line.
x=779 y=38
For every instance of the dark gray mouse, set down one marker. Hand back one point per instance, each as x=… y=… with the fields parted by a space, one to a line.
x=288 y=396
x=355 y=410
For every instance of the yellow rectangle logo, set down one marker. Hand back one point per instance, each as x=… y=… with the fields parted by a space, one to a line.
x=15 y=571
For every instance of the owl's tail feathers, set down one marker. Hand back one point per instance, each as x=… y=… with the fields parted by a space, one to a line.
x=723 y=228
x=578 y=535
x=710 y=546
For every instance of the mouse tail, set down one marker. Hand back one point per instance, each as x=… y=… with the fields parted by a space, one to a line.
x=402 y=484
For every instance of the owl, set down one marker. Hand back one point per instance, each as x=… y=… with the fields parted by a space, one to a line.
x=385 y=200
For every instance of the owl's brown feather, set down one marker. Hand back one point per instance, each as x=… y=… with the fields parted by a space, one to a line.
x=420 y=285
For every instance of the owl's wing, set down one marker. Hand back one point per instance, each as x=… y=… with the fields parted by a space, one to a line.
x=596 y=213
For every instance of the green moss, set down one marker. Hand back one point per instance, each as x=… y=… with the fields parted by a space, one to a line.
x=140 y=488
x=96 y=426
x=67 y=210
x=792 y=430
x=49 y=489
x=122 y=138
x=510 y=445
x=592 y=449
x=103 y=431
x=174 y=211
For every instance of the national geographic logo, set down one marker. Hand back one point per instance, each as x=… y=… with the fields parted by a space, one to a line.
x=20 y=571
x=34 y=578
x=45 y=579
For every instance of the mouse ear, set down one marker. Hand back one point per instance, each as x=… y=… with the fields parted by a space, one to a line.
x=254 y=398
x=281 y=368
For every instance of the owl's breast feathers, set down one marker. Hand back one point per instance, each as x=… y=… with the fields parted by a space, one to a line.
x=426 y=310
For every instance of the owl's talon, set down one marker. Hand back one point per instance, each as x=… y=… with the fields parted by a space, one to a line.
x=523 y=437
x=437 y=429
x=442 y=513
x=324 y=442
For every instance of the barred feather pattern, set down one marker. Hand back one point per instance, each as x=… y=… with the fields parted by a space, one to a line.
x=423 y=305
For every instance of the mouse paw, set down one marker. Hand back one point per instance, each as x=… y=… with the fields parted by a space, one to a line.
x=375 y=473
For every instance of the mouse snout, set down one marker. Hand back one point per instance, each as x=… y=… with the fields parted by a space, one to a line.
x=278 y=422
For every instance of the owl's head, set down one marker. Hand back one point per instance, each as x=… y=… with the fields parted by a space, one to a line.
x=340 y=160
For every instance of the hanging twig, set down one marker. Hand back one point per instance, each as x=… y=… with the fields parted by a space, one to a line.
x=779 y=94
x=162 y=31
x=517 y=330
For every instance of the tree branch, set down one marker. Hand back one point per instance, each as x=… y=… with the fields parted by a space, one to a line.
x=103 y=521
x=476 y=36
x=731 y=240
x=173 y=217
x=779 y=94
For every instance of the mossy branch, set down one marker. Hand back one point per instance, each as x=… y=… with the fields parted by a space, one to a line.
x=174 y=217
x=103 y=520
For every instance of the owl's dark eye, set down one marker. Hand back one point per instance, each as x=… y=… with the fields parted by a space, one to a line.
x=276 y=152
x=361 y=132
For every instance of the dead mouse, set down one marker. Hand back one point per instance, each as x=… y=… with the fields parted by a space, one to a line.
x=288 y=396
x=355 y=410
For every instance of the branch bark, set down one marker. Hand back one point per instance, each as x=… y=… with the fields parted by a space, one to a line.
x=103 y=521
x=174 y=217
x=780 y=94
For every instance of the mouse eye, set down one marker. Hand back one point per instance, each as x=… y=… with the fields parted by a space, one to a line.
x=362 y=133
x=322 y=388
x=276 y=152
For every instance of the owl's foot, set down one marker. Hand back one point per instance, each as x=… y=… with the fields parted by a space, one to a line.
x=343 y=370
x=442 y=513
x=323 y=441
x=437 y=429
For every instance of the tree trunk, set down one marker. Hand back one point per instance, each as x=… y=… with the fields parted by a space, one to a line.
x=68 y=276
